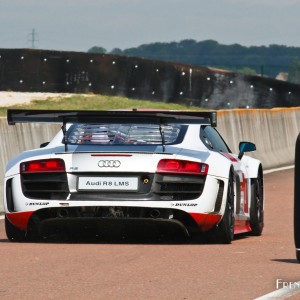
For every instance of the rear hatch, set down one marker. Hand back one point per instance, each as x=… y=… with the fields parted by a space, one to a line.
x=116 y=159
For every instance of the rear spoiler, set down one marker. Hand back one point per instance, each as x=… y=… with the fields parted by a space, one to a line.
x=116 y=116
x=135 y=116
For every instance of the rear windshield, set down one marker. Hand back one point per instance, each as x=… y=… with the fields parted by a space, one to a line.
x=125 y=134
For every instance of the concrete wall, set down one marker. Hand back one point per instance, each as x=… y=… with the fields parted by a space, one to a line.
x=273 y=131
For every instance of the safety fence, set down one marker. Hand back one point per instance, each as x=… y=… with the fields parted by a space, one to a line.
x=33 y=70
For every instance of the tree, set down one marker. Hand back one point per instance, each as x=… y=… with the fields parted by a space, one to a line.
x=274 y=58
x=117 y=51
x=294 y=71
x=247 y=71
x=97 y=49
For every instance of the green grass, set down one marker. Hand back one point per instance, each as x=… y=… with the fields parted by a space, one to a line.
x=96 y=102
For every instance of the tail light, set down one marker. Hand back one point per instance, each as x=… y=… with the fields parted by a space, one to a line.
x=42 y=166
x=182 y=167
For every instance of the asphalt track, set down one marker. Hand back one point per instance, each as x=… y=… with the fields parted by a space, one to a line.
x=247 y=269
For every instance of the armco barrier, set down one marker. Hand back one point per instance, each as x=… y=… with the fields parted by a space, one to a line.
x=273 y=131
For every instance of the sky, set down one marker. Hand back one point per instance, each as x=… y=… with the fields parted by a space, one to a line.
x=74 y=25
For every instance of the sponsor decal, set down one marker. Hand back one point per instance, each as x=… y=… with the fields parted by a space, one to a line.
x=74 y=168
x=36 y=203
x=184 y=204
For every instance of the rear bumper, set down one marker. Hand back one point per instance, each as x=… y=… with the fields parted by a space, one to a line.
x=109 y=218
x=108 y=227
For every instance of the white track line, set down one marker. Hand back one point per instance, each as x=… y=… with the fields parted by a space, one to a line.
x=278 y=169
x=283 y=293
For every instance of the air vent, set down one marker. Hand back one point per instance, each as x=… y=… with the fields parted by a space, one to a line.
x=45 y=186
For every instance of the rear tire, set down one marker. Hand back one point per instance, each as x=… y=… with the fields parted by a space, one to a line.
x=225 y=229
x=13 y=233
x=297 y=199
x=257 y=206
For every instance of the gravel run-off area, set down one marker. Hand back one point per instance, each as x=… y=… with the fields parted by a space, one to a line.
x=13 y=98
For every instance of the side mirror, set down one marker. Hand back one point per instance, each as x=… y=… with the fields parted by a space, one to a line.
x=246 y=147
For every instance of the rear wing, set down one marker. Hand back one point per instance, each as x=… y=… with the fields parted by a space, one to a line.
x=134 y=116
x=117 y=116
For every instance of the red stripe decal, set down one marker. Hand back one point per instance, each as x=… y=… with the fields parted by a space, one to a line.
x=206 y=221
x=229 y=156
x=126 y=155
x=244 y=190
x=20 y=219
x=241 y=227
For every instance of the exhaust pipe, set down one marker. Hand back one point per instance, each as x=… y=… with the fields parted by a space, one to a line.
x=62 y=213
x=155 y=213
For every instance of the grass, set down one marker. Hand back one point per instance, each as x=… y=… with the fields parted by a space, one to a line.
x=96 y=102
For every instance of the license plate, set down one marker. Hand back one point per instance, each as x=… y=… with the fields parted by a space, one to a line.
x=108 y=183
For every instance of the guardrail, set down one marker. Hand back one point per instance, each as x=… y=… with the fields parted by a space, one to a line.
x=274 y=131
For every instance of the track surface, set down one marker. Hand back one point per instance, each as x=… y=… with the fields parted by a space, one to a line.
x=246 y=269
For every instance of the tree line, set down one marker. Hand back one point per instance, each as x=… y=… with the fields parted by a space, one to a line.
x=262 y=60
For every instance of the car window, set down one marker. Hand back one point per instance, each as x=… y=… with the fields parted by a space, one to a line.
x=125 y=134
x=213 y=140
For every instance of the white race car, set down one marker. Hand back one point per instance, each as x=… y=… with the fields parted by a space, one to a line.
x=166 y=171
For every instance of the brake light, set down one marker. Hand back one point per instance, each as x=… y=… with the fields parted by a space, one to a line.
x=41 y=166
x=182 y=167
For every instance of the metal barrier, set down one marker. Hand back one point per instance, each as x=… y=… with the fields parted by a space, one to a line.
x=77 y=72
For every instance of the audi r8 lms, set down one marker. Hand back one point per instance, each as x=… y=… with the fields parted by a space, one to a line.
x=163 y=170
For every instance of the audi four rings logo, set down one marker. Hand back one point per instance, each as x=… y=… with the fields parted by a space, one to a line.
x=109 y=163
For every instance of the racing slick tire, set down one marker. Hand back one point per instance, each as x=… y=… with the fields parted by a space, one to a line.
x=298 y=255
x=297 y=199
x=13 y=233
x=257 y=206
x=225 y=230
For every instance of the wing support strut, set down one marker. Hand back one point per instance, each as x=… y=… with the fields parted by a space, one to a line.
x=65 y=138
x=162 y=134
